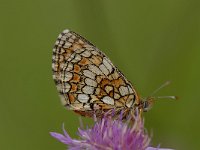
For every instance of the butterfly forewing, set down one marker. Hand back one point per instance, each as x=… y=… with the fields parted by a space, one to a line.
x=86 y=79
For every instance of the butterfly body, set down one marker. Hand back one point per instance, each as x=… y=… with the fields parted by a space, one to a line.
x=86 y=79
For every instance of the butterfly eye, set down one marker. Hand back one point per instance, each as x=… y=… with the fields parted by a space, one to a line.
x=147 y=104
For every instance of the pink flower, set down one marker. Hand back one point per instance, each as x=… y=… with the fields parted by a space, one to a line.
x=109 y=134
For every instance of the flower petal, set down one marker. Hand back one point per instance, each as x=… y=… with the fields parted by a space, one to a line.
x=152 y=148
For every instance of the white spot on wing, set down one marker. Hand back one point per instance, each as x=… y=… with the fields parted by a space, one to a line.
x=66 y=87
x=67 y=44
x=62 y=50
x=61 y=42
x=86 y=54
x=80 y=50
x=130 y=89
x=64 y=37
x=57 y=42
x=91 y=82
x=116 y=96
x=65 y=31
x=67 y=76
x=94 y=69
x=89 y=74
x=94 y=52
x=97 y=91
x=104 y=69
x=83 y=98
x=108 y=88
x=107 y=64
x=69 y=66
x=88 y=89
x=130 y=101
x=77 y=58
x=123 y=90
x=108 y=100
x=76 y=106
x=71 y=56
x=129 y=104
x=80 y=41
x=71 y=40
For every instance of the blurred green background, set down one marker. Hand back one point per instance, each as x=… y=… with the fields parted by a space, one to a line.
x=150 y=42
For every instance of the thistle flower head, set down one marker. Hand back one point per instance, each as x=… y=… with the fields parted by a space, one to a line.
x=109 y=134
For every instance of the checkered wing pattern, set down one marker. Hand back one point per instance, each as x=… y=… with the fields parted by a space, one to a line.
x=86 y=79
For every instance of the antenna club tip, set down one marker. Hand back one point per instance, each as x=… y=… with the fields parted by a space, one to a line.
x=176 y=97
x=168 y=82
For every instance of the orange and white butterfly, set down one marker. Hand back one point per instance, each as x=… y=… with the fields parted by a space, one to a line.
x=88 y=82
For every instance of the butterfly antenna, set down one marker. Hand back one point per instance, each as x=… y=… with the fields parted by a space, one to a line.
x=158 y=89
x=147 y=104
x=167 y=97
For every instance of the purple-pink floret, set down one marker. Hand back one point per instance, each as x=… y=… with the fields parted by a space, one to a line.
x=109 y=134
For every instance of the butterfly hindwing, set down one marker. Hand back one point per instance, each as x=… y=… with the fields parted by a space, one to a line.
x=86 y=79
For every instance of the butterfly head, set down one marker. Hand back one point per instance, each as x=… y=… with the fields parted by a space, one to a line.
x=147 y=103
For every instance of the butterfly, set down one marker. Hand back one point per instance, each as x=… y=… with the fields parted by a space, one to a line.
x=87 y=81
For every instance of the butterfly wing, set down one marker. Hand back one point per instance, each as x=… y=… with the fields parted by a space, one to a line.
x=86 y=79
